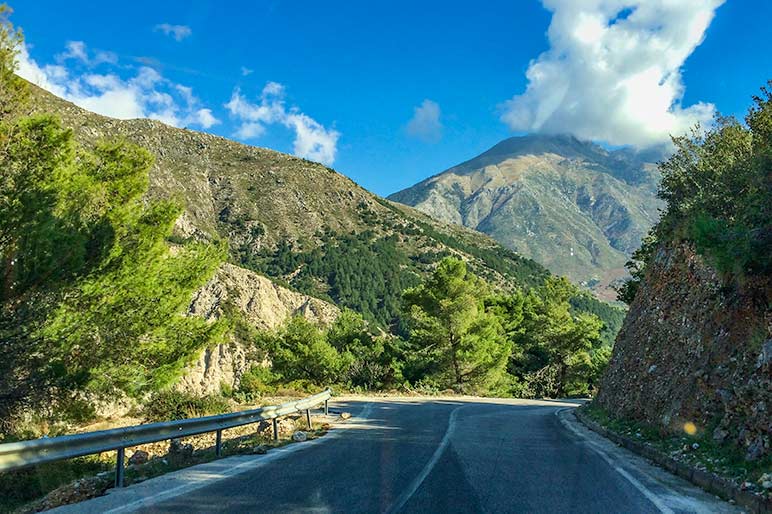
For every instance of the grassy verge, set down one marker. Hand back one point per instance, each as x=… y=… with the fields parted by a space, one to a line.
x=698 y=450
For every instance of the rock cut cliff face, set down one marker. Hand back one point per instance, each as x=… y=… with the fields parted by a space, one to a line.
x=695 y=349
x=262 y=303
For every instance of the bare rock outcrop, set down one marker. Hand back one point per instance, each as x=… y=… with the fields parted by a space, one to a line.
x=263 y=304
x=694 y=348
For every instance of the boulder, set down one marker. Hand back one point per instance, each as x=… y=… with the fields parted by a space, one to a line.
x=285 y=425
x=179 y=451
x=138 y=457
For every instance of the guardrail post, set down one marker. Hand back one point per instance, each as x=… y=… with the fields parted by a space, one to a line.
x=218 y=444
x=326 y=408
x=275 y=429
x=308 y=418
x=119 y=469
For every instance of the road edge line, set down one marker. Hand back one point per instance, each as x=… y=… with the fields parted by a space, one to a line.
x=709 y=482
x=653 y=498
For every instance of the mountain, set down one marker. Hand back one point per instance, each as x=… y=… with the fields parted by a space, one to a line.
x=571 y=205
x=298 y=222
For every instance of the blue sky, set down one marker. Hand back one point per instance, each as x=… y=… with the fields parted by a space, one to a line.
x=392 y=92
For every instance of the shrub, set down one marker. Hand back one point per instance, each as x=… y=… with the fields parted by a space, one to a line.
x=170 y=405
x=256 y=382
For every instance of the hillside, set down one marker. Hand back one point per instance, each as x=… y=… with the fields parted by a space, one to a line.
x=296 y=221
x=570 y=205
x=262 y=304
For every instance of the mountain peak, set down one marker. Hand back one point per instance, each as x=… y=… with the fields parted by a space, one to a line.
x=581 y=215
x=566 y=145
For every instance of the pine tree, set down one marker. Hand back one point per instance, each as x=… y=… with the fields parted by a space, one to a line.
x=448 y=321
x=92 y=298
x=13 y=90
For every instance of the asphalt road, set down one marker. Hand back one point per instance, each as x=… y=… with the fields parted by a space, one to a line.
x=437 y=456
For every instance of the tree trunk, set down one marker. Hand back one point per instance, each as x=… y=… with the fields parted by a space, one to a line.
x=561 y=390
x=454 y=359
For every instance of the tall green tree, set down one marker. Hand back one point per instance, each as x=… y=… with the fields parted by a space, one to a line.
x=556 y=343
x=92 y=298
x=450 y=325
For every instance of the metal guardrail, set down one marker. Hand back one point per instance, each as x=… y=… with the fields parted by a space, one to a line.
x=23 y=454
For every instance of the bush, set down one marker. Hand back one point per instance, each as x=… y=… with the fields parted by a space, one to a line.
x=301 y=352
x=170 y=405
x=256 y=382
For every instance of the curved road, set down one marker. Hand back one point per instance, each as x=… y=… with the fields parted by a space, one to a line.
x=428 y=456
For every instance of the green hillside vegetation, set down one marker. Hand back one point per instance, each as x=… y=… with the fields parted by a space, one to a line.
x=718 y=191
x=461 y=336
x=367 y=271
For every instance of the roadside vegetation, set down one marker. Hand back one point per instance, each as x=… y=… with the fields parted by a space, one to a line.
x=717 y=188
x=460 y=337
x=698 y=448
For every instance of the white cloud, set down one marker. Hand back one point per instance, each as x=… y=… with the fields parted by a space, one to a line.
x=76 y=50
x=246 y=71
x=425 y=123
x=178 y=32
x=312 y=140
x=613 y=71
x=146 y=94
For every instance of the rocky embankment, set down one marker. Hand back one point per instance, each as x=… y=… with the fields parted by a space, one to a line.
x=695 y=349
x=262 y=303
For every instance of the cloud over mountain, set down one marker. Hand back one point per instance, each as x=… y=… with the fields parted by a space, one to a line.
x=613 y=71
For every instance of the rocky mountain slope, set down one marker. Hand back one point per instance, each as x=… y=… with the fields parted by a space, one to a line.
x=262 y=304
x=570 y=205
x=297 y=221
x=694 y=349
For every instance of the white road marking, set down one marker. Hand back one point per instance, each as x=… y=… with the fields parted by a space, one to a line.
x=653 y=498
x=208 y=479
x=416 y=483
